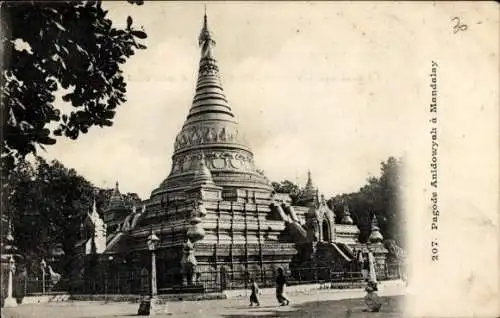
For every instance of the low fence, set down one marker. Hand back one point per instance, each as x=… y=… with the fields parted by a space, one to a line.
x=24 y=286
x=207 y=281
x=217 y=281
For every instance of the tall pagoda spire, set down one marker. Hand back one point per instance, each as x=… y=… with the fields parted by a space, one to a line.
x=211 y=128
x=209 y=101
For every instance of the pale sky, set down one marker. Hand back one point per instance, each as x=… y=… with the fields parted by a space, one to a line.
x=319 y=86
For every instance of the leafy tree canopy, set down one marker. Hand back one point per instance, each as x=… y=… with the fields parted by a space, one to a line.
x=379 y=196
x=289 y=187
x=49 y=46
x=48 y=202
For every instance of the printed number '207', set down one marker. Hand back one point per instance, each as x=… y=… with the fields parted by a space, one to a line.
x=435 y=251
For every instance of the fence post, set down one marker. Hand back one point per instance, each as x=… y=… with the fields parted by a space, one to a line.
x=105 y=286
x=118 y=282
x=43 y=280
x=246 y=277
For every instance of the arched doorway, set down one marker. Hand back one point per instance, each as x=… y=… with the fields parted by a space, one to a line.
x=326 y=231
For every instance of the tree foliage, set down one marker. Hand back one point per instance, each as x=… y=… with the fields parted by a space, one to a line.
x=48 y=202
x=289 y=187
x=49 y=46
x=379 y=196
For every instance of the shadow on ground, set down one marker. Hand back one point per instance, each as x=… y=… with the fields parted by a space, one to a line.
x=249 y=308
x=347 y=308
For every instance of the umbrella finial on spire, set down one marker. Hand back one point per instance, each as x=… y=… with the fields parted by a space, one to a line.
x=205 y=39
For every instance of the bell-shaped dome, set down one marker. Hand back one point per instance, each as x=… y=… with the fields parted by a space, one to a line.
x=346 y=219
x=195 y=233
x=212 y=128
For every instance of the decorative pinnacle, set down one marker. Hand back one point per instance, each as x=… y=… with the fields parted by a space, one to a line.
x=10 y=237
x=205 y=34
x=310 y=194
x=347 y=215
x=375 y=223
x=309 y=183
x=309 y=179
x=116 y=191
x=202 y=175
x=375 y=235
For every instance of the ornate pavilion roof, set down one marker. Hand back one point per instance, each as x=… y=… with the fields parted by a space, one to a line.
x=211 y=132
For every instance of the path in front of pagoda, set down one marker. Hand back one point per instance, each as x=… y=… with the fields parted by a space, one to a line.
x=324 y=303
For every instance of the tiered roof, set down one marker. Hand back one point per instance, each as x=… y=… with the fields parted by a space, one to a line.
x=309 y=196
x=116 y=201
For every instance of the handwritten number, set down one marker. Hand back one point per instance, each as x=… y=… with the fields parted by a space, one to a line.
x=459 y=26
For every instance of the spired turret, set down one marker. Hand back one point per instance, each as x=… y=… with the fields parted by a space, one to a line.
x=346 y=219
x=375 y=235
x=309 y=196
x=94 y=232
x=116 y=201
x=116 y=210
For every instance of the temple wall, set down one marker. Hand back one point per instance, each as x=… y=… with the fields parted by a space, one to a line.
x=237 y=261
